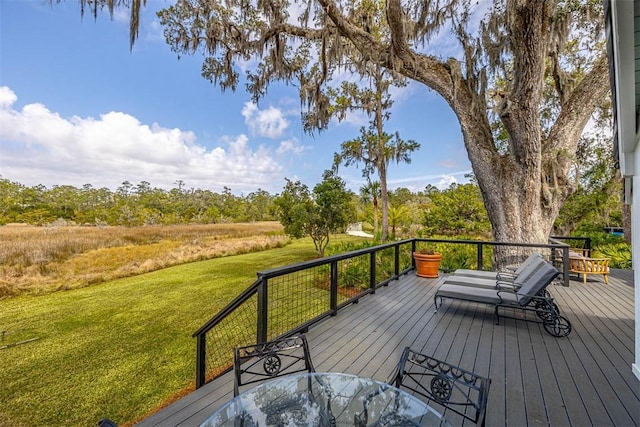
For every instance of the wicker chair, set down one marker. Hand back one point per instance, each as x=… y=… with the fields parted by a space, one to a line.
x=584 y=266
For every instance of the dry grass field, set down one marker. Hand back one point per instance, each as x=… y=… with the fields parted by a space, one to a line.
x=37 y=260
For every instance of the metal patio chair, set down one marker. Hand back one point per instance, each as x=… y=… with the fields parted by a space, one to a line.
x=443 y=385
x=277 y=358
x=269 y=360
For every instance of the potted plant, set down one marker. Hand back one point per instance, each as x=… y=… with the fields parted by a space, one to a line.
x=427 y=262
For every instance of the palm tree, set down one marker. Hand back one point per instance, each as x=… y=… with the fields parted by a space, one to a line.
x=370 y=193
x=398 y=215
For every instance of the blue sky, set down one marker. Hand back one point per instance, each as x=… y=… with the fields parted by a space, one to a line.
x=77 y=107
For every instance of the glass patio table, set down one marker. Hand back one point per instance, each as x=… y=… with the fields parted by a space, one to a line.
x=325 y=399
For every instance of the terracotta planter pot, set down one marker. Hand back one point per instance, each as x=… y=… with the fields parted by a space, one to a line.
x=427 y=265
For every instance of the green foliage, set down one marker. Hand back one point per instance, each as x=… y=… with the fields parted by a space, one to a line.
x=590 y=209
x=456 y=210
x=620 y=254
x=597 y=201
x=597 y=236
x=456 y=256
x=293 y=208
x=129 y=205
x=370 y=195
x=427 y=250
x=344 y=247
x=399 y=216
x=327 y=210
x=355 y=273
x=374 y=148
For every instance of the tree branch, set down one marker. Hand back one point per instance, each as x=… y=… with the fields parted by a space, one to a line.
x=577 y=111
x=293 y=30
x=363 y=41
x=396 y=19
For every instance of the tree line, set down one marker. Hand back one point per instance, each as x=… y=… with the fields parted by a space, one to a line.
x=142 y=204
x=129 y=205
x=454 y=211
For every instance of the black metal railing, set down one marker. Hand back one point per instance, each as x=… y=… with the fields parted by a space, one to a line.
x=581 y=244
x=289 y=299
x=481 y=255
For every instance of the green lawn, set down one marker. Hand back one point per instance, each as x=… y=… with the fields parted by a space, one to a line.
x=117 y=349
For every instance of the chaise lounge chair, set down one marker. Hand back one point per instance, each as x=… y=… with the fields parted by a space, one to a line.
x=503 y=276
x=527 y=298
x=526 y=270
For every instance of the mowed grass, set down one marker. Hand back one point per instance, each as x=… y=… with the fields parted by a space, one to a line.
x=118 y=349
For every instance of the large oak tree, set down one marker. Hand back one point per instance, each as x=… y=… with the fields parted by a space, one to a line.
x=523 y=87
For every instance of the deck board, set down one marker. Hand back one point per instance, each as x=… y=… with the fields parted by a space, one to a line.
x=583 y=379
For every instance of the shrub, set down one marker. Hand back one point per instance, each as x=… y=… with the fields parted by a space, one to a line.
x=620 y=254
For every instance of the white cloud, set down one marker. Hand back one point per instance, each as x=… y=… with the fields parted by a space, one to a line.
x=7 y=97
x=121 y=15
x=413 y=183
x=446 y=181
x=268 y=123
x=418 y=183
x=291 y=146
x=154 y=31
x=38 y=146
x=356 y=118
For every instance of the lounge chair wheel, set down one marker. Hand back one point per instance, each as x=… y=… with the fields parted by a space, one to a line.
x=545 y=312
x=558 y=326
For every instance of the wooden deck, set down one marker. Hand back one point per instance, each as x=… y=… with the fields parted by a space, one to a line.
x=583 y=379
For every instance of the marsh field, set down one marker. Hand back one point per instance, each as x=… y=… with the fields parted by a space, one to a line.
x=38 y=260
x=97 y=322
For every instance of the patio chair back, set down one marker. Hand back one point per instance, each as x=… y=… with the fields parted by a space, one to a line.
x=528 y=269
x=455 y=389
x=527 y=264
x=272 y=359
x=536 y=283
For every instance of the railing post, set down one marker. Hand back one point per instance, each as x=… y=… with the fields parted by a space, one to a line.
x=263 y=302
x=587 y=245
x=201 y=357
x=372 y=271
x=413 y=249
x=397 y=261
x=553 y=255
x=565 y=266
x=479 y=254
x=334 y=288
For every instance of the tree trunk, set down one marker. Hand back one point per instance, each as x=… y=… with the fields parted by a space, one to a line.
x=381 y=159
x=384 y=201
x=375 y=215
